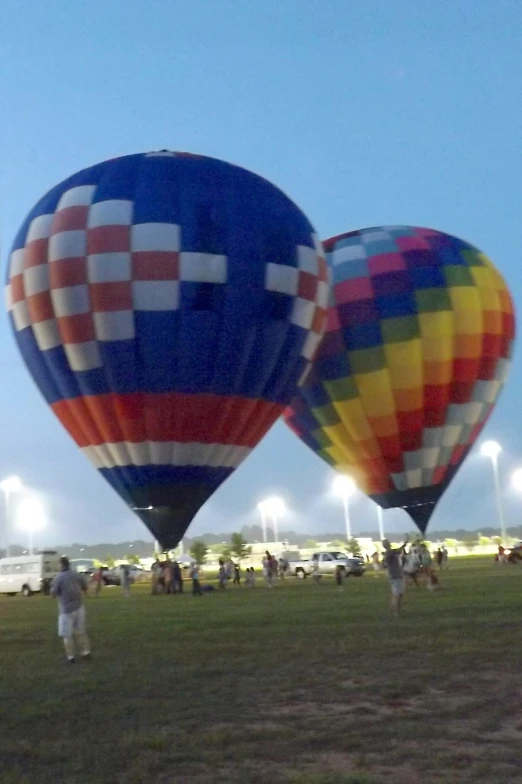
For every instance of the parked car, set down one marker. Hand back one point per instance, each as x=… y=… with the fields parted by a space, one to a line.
x=328 y=561
x=108 y=574
x=137 y=574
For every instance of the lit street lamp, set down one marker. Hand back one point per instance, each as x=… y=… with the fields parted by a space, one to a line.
x=271 y=508
x=492 y=449
x=10 y=485
x=31 y=518
x=344 y=487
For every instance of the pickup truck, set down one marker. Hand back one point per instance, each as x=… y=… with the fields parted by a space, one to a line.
x=328 y=562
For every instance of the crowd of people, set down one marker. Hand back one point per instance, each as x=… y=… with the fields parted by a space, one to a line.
x=273 y=568
x=167 y=577
x=403 y=566
x=410 y=566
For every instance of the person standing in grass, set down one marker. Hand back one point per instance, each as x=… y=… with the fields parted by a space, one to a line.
x=222 y=575
x=155 y=572
x=169 y=576
x=98 y=580
x=178 y=578
x=125 y=579
x=196 y=581
x=69 y=588
x=392 y=562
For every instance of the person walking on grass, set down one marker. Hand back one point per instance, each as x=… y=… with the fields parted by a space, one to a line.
x=392 y=562
x=69 y=588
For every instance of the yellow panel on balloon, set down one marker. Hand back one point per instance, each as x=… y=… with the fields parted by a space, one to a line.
x=438 y=324
x=437 y=350
x=353 y=419
x=489 y=298
x=359 y=432
x=375 y=393
x=469 y=322
x=407 y=376
x=482 y=276
x=404 y=366
x=464 y=298
x=343 y=454
x=398 y=354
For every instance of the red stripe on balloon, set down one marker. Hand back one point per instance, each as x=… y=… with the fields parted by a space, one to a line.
x=208 y=419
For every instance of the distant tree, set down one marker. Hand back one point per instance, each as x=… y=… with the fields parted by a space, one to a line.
x=110 y=562
x=353 y=546
x=339 y=544
x=483 y=540
x=198 y=551
x=226 y=553
x=239 y=546
x=470 y=541
x=497 y=540
x=133 y=559
x=310 y=544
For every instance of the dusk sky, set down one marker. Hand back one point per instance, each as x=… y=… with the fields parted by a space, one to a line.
x=364 y=113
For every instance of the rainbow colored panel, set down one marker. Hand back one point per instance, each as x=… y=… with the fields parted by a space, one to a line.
x=417 y=348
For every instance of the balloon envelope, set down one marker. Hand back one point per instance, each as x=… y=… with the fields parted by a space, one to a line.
x=166 y=305
x=417 y=348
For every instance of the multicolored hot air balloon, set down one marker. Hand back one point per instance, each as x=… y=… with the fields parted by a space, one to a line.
x=167 y=305
x=417 y=348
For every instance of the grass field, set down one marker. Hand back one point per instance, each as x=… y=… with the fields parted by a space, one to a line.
x=302 y=684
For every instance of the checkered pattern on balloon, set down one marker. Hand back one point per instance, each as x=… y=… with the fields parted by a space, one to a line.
x=417 y=348
x=167 y=305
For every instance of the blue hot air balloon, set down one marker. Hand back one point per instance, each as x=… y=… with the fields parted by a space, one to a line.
x=167 y=306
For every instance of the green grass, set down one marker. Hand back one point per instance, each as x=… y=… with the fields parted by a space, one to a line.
x=303 y=684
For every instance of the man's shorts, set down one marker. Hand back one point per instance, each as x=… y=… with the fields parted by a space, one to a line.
x=73 y=623
x=397 y=587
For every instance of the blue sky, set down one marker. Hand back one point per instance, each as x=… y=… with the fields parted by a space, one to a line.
x=365 y=112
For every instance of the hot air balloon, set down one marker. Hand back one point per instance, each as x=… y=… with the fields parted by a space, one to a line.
x=167 y=306
x=417 y=348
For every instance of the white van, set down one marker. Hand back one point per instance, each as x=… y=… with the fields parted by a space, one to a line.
x=27 y=574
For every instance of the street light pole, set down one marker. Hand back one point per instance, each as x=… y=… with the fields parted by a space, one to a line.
x=275 y=527
x=263 y=520
x=492 y=450
x=500 y=507
x=380 y=515
x=271 y=509
x=347 y=518
x=10 y=485
x=7 y=524
x=344 y=487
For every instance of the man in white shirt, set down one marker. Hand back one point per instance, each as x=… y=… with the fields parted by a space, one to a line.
x=69 y=588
